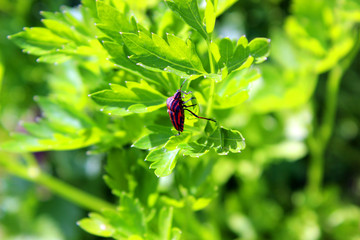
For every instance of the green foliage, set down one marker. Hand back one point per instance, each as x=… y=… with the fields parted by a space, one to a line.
x=126 y=222
x=134 y=98
x=104 y=71
x=189 y=12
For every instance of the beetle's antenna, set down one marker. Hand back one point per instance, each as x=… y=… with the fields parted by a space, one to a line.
x=183 y=83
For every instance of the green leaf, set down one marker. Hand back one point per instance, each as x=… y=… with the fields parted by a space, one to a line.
x=260 y=49
x=221 y=139
x=152 y=140
x=112 y=21
x=210 y=16
x=62 y=128
x=38 y=41
x=163 y=160
x=215 y=51
x=121 y=60
x=165 y=223
x=175 y=234
x=128 y=221
x=115 y=179
x=134 y=98
x=66 y=34
x=66 y=117
x=223 y=5
x=226 y=52
x=189 y=12
x=234 y=90
x=96 y=225
x=240 y=58
x=234 y=59
x=58 y=141
x=155 y=53
x=194 y=149
x=65 y=31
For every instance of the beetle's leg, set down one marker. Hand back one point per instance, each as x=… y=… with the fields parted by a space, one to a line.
x=189 y=105
x=186 y=92
x=189 y=100
x=198 y=116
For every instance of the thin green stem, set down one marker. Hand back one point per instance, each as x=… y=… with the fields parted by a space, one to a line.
x=77 y=196
x=211 y=98
x=320 y=139
x=212 y=83
x=212 y=67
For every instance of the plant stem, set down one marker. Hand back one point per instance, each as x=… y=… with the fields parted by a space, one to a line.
x=211 y=98
x=34 y=174
x=320 y=139
x=212 y=81
x=212 y=68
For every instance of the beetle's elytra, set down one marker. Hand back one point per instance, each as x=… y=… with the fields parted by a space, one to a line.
x=176 y=107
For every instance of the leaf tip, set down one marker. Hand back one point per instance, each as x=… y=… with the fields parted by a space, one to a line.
x=109 y=113
x=38 y=60
x=120 y=33
x=109 y=84
x=36 y=98
x=89 y=95
x=132 y=145
x=8 y=36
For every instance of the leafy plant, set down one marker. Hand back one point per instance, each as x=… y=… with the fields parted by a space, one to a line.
x=103 y=44
x=109 y=68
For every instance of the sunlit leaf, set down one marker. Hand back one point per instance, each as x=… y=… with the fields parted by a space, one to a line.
x=120 y=58
x=97 y=225
x=210 y=16
x=152 y=140
x=189 y=12
x=156 y=53
x=165 y=222
x=226 y=51
x=163 y=161
x=260 y=49
x=221 y=139
x=234 y=90
x=128 y=221
x=134 y=98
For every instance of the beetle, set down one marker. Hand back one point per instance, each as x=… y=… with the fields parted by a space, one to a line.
x=176 y=107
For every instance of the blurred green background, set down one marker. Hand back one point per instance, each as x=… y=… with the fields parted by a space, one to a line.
x=298 y=178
